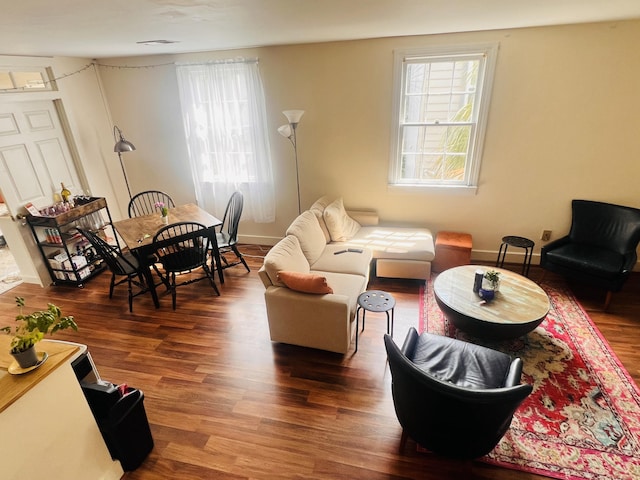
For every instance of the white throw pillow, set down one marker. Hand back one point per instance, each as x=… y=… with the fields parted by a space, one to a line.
x=340 y=225
x=312 y=241
x=285 y=255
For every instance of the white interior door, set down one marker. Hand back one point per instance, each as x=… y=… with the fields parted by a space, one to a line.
x=34 y=160
x=34 y=155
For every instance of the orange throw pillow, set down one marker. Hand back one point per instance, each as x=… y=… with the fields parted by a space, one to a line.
x=305 y=282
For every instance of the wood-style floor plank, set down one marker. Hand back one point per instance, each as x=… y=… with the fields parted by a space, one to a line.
x=224 y=402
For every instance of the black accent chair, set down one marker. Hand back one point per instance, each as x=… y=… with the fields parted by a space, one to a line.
x=144 y=203
x=121 y=264
x=453 y=398
x=181 y=248
x=600 y=248
x=228 y=235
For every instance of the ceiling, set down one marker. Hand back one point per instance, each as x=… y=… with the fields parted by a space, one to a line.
x=113 y=28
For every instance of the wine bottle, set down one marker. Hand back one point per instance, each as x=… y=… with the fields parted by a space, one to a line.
x=65 y=193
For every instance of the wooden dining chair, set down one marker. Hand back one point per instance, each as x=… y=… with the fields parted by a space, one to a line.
x=182 y=248
x=144 y=203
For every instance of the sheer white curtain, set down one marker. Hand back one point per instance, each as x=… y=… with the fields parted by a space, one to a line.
x=224 y=114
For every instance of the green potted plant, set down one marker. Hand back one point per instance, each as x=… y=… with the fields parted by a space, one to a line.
x=493 y=278
x=31 y=328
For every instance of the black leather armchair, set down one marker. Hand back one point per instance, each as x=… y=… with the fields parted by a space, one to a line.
x=452 y=397
x=600 y=248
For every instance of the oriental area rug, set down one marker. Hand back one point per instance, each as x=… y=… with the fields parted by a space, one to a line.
x=582 y=420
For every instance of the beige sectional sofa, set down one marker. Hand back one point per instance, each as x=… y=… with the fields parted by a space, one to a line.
x=317 y=320
x=308 y=253
x=398 y=251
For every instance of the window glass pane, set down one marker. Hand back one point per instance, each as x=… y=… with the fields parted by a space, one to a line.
x=457 y=139
x=424 y=139
x=440 y=91
x=29 y=80
x=429 y=168
x=417 y=73
x=434 y=152
x=453 y=167
x=5 y=81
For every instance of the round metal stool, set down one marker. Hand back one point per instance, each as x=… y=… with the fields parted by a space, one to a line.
x=375 y=301
x=519 y=242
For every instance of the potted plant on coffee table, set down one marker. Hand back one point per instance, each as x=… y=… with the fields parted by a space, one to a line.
x=31 y=328
x=490 y=285
x=493 y=278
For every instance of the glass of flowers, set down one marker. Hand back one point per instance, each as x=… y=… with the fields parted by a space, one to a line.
x=164 y=211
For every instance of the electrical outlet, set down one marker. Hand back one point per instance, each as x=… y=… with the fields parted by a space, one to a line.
x=546 y=235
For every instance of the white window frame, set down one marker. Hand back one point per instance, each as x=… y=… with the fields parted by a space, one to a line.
x=488 y=54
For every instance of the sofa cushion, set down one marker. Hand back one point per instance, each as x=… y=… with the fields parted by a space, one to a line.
x=340 y=225
x=353 y=263
x=594 y=260
x=402 y=243
x=308 y=232
x=305 y=282
x=348 y=285
x=318 y=210
x=285 y=255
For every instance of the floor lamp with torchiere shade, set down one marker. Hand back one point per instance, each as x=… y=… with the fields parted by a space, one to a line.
x=289 y=131
x=122 y=145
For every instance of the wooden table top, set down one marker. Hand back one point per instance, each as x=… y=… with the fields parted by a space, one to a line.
x=518 y=301
x=12 y=387
x=139 y=231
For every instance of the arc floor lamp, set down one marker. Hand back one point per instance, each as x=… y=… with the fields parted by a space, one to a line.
x=289 y=131
x=122 y=145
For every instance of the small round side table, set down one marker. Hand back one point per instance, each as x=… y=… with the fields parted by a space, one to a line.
x=375 y=301
x=521 y=242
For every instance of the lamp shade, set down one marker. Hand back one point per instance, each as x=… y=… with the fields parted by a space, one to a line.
x=293 y=116
x=121 y=145
x=285 y=130
x=124 y=146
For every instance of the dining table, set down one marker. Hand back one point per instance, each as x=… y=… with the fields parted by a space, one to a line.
x=138 y=233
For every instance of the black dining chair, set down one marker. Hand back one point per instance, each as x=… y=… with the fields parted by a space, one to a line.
x=144 y=203
x=227 y=237
x=121 y=264
x=182 y=248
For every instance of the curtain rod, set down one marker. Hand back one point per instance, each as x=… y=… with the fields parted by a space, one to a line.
x=221 y=61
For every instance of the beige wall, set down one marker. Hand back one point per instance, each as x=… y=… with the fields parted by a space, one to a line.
x=562 y=125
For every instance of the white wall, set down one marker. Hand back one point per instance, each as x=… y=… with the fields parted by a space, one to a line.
x=561 y=125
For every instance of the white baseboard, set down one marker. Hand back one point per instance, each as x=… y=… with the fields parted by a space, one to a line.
x=258 y=240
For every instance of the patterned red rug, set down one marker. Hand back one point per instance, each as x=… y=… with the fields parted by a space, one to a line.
x=582 y=420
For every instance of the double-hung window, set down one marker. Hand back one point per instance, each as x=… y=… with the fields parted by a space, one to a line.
x=440 y=112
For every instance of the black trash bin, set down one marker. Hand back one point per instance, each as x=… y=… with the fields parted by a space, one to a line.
x=126 y=430
x=122 y=420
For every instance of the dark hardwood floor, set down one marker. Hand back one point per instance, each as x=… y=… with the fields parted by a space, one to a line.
x=224 y=402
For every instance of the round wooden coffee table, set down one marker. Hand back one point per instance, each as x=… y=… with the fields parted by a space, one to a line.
x=518 y=308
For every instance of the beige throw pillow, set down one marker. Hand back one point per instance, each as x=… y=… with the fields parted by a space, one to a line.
x=340 y=225
x=306 y=229
x=285 y=255
x=318 y=209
